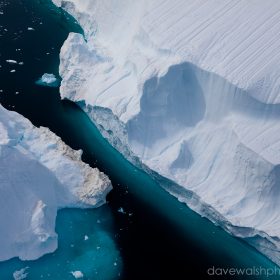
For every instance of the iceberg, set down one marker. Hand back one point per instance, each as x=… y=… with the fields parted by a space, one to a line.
x=39 y=174
x=48 y=80
x=77 y=274
x=11 y=61
x=192 y=90
x=20 y=274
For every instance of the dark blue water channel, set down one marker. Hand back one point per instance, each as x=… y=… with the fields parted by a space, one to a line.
x=156 y=237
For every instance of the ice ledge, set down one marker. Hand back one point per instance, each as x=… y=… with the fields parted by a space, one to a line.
x=215 y=133
x=39 y=174
x=115 y=132
x=236 y=40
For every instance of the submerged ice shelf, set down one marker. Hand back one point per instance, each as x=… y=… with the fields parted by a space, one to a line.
x=193 y=94
x=39 y=175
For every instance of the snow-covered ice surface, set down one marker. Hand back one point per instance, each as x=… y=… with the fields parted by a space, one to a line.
x=193 y=89
x=39 y=174
x=49 y=80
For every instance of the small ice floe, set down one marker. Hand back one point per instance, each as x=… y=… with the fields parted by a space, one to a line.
x=21 y=63
x=30 y=29
x=77 y=274
x=11 y=61
x=86 y=237
x=121 y=210
x=20 y=274
x=13 y=71
x=48 y=80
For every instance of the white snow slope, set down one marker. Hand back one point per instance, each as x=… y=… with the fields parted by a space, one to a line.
x=196 y=87
x=38 y=175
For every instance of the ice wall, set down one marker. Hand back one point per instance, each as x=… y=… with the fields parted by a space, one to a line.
x=38 y=175
x=195 y=87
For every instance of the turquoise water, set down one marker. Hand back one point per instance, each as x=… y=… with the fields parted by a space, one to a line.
x=97 y=257
x=156 y=237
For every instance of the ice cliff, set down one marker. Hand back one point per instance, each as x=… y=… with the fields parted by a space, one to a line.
x=193 y=89
x=38 y=175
